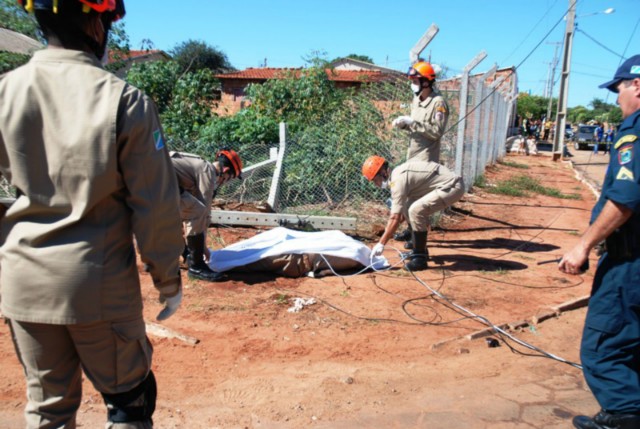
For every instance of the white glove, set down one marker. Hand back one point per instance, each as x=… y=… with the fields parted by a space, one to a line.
x=377 y=250
x=170 y=306
x=402 y=121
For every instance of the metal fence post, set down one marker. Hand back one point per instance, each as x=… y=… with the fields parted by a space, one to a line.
x=274 y=190
x=462 y=122
x=476 y=147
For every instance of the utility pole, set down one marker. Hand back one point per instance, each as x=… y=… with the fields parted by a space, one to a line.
x=558 y=138
x=553 y=64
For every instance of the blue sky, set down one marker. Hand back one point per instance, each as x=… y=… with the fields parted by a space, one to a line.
x=285 y=32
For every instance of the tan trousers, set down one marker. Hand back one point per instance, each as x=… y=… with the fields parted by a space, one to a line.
x=195 y=215
x=436 y=200
x=115 y=356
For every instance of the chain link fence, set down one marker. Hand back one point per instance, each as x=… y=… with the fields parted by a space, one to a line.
x=320 y=169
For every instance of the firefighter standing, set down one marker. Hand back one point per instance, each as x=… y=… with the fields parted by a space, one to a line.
x=85 y=153
x=427 y=123
x=198 y=181
x=418 y=189
x=429 y=115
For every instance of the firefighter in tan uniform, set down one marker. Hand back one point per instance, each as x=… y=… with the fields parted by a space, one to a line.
x=198 y=181
x=85 y=153
x=418 y=189
x=429 y=115
x=427 y=123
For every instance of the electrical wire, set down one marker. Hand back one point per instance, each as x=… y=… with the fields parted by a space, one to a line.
x=600 y=44
x=495 y=88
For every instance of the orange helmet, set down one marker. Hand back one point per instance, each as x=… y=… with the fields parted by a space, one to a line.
x=114 y=8
x=422 y=69
x=234 y=159
x=372 y=166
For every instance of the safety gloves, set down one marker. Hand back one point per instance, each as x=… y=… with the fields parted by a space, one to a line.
x=377 y=250
x=402 y=122
x=171 y=305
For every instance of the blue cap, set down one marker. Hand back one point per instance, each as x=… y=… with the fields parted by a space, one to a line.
x=630 y=69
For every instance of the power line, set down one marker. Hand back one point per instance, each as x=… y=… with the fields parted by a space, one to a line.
x=600 y=44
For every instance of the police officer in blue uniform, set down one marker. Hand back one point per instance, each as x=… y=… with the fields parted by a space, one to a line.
x=610 y=349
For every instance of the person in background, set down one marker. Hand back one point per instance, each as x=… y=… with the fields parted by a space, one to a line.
x=418 y=189
x=198 y=181
x=428 y=120
x=86 y=154
x=610 y=349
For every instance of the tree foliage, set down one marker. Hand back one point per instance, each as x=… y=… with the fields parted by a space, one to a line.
x=599 y=112
x=10 y=61
x=194 y=55
x=13 y=17
x=535 y=106
x=364 y=58
x=185 y=101
x=299 y=98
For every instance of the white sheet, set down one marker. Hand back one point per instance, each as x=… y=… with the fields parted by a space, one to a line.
x=282 y=241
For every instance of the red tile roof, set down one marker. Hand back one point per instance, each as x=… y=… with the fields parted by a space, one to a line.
x=281 y=73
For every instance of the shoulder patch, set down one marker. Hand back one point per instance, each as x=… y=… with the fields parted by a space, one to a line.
x=157 y=139
x=625 y=139
x=625 y=155
x=625 y=174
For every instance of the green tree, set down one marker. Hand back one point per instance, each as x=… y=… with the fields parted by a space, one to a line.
x=11 y=60
x=185 y=101
x=532 y=106
x=194 y=55
x=364 y=58
x=13 y=17
x=157 y=79
x=299 y=97
x=118 y=46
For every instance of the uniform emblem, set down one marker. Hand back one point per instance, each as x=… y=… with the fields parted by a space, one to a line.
x=441 y=109
x=635 y=69
x=625 y=155
x=157 y=138
x=624 y=174
x=625 y=139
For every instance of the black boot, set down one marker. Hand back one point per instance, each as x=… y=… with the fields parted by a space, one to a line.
x=419 y=255
x=185 y=254
x=198 y=269
x=605 y=420
x=404 y=235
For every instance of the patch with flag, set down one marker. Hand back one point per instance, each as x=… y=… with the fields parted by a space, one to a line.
x=157 y=138
x=624 y=174
x=441 y=109
x=625 y=155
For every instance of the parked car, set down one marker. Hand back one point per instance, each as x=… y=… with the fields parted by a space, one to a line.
x=568 y=132
x=584 y=138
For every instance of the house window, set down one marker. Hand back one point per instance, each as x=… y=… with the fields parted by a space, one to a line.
x=238 y=94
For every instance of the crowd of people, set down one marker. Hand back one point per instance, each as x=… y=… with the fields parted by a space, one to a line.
x=96 y=185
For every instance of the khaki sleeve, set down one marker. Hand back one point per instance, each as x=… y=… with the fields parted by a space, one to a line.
x=432 y=125
x=153 y=196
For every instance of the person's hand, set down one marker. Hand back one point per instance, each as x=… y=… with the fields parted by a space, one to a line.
x=402 y=121
x=377 y=250
x=576 y=261
x=171 y=305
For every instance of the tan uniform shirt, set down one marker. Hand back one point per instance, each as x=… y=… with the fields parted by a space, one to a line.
x=430 y=122
x=415 y=179
x=197 y=180
x=195 y=175
x=85 y=151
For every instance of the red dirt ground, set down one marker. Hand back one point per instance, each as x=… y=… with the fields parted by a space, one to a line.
x=378 y=350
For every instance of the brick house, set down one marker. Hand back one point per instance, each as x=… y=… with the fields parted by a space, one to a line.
x=346 y=73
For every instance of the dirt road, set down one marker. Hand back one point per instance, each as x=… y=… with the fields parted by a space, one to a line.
x=383 y=350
